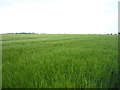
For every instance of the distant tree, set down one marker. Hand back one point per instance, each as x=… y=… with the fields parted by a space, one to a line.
x=111 y=33
x=32 y=33
x=43 y=33
x=118 y=32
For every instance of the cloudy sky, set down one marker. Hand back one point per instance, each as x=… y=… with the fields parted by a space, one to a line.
x=59 y=16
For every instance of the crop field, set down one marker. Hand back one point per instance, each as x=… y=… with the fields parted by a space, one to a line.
x=59 y=61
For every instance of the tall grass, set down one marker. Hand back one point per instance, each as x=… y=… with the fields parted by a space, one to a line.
x=0 y=61
x=60 y=61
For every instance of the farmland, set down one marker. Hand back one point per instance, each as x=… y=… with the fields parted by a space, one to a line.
x=59 y=61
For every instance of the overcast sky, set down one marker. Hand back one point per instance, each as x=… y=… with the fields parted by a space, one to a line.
x=59 y=16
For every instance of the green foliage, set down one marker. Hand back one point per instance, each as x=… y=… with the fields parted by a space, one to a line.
x=60 y=61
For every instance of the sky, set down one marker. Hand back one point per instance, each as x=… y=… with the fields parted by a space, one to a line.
x=59 y=16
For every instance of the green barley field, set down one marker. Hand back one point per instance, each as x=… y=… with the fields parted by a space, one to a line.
x=59 y=61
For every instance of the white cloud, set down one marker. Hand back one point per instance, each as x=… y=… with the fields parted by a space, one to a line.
x=60 y=16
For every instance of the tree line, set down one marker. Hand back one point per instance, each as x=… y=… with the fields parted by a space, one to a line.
x=22 y=33
x=46 y=33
